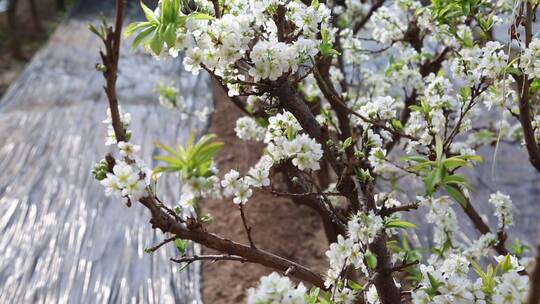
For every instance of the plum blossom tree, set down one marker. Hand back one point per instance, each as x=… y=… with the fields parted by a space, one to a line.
x=350 y=98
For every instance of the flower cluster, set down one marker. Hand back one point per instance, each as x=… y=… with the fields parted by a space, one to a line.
x=219 y=44
x=234 y=185
x=503 y=208
x=130 y=177
x=241 y=187
x=195 y=188
x=248 y=129
x=125 y=181
x=353 y=250
x=125 y=118
x=285 y=142
x=443 y=216
x=529 y=59
x=271 y=59
x=274 y=288
x=363 y=227
x=474 y=63
x=449 y=282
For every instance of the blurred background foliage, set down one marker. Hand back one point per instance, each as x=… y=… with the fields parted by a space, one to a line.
x=25 y=26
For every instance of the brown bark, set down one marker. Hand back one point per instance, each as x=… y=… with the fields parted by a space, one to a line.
x=110 y=60
x=534 y=277
x=38 y=26
x=523 y=82
x=15 y=44
x=341 y=113
x=61 y=5
x=387 y=290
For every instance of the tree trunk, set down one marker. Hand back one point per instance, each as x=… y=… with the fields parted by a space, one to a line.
x=14 y=43
x=38 y=26
x=61 y=5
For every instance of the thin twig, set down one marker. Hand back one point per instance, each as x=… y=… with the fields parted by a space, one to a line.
x=278 y=193
x=156 y=247
x=389 y=211
x=169 y=210
x=375 y=6
x=404 y=265
x=246 y=227
x=110 y=61
x=209 y=257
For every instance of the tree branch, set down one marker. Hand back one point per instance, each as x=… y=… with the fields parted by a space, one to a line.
x=523 y=82
x=192 y=231
x=480 y=225
x=383 y=280
x=210 y=257
x=110 y=61
x=534 y=277
x=246 y=227
x=156 y=247
x=374 y=7
x=162 y=219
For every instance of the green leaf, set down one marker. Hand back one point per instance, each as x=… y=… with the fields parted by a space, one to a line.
x=456 y=195
x=472 y=157
x=518 y=248
x=326 y=46
x=156 y=43
x=429 y=182
x=396 y=223
x=323 y=300
x=193 y=160
x=433 y=282
x=535 y=85
x=149 y=14
x=414 y=158
x=458 y=180
x=438 y=148
x=397 y=124
x=454 y=162
x=355 y=286
x=141 y=37
x=94 y=30
x=169 y=35
x=201 y=16
x=371 y=259
x=181 y=245
x=347 y=143
x=313 y=295
x=513 y=71
x=505 y=265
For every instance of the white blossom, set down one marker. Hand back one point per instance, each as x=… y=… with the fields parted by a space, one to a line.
x=277 y=289
x=503 y=208
x=127 y=149
x=363 y=227
x=248 y=129
x=530 y=59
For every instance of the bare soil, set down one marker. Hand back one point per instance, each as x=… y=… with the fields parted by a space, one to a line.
x=278 y=225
